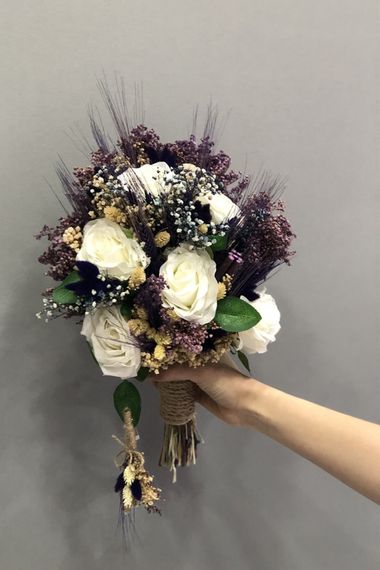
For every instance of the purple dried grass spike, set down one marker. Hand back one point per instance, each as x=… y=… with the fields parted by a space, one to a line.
x=144 y=233
x=116 y=104
x=73 y=191
x=98 y=131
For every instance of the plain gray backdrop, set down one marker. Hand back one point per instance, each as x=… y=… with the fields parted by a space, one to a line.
x=300 y=79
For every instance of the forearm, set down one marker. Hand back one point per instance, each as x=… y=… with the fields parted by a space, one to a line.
x=346 y=447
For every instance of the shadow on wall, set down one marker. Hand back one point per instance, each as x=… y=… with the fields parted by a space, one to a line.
x=66 y=403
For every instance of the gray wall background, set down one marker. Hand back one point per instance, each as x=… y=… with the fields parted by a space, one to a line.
x=301 y=80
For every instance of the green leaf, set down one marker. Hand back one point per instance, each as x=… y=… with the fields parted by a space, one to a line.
x=72 y=277
x=64 y=296
x=142 y=373
x=126 y=310
x=128 y=232
x=126 y=395
x=244 y=360
x=220 y=243
x=235 y=315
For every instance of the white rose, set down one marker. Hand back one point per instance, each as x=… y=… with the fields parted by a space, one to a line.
x=112 y=343
x=106 y=246
x=222 y=207
x=191 y=285
x=258 y=337
x=151 y=176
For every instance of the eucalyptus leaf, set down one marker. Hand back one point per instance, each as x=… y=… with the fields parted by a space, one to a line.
x=126 y=310
x=220 y=243
x=64 y=296
x=72 y=277
x=126 y=395
x=128 y=232
x=235 y=315
x=142 y=373
x=244 y=360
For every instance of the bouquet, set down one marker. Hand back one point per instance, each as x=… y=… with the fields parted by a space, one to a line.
x=162 y=259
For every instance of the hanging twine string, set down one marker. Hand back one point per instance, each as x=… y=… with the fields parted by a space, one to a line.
x=134 y=484
x=129 y=431
x=129 y=444
x=177 y=405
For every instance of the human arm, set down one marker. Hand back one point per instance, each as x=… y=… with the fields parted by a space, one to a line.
x=346 y=447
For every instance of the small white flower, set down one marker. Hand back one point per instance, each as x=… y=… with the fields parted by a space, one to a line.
x=222 y=207
x=258 y=337
x=151 y=176
x=191 y=285
x=113 y=346
x=106 y=246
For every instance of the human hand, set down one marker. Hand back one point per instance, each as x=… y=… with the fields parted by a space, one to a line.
x=223 y=390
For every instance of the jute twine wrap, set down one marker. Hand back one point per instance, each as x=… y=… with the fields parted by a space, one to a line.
x=129 y=431
x=177 y=401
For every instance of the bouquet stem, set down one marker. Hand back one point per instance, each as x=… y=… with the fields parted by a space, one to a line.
x=177 y=409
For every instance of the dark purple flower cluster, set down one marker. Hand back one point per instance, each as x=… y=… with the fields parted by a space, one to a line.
x=263 y=235
x=184 y=334
x=149 y=297
x=59 y=255
x=84 y=175
x=201 y=154
x=100 y=157
x=147 y=137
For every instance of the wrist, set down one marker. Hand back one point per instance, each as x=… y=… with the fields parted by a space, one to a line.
x=258 y=406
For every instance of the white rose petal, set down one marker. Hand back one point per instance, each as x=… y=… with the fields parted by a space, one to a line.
x=191 y=285
x=258 y=337
x=112 y=343
x=151 y=176
x=106 y=246
x=222 y=207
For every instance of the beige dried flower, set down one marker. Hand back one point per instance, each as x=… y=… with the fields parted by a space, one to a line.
x=221 y=291
x=137 y=278
x=159 y=352
x=162 y=239
x=73 y=237
x=138 y=326
x=115 y=214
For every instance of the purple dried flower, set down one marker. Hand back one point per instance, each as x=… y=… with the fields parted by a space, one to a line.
x=149 y=297
x=186 y=335
x=148 y=137
x=263 y=235
x=58 y=255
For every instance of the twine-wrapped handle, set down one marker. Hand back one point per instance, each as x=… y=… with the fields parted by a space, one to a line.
x=177 y=401
x=177 y=409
